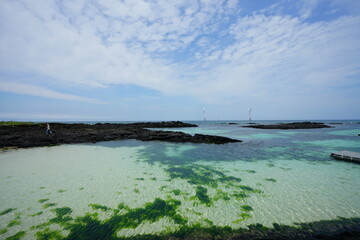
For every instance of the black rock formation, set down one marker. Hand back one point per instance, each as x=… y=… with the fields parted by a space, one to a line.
x=33 y=135
x=295 y=125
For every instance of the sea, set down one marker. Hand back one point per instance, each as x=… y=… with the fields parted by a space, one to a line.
x=132 y=188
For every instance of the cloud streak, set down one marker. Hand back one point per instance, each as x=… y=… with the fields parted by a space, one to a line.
x=33 y=90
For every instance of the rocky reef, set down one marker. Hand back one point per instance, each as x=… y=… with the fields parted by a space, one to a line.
x=294 y=125
x=33 y=135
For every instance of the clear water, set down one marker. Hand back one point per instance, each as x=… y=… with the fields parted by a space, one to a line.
x=287 y=177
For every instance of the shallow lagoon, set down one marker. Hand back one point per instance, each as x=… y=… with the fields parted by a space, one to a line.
x=273 y=176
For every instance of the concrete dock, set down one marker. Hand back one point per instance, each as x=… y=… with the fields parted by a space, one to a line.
x=347 y=156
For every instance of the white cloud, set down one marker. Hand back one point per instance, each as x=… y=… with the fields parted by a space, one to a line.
x=306 y=7
x=287 y=55
x=28 y=89
x=350 y=6
x=99 y=44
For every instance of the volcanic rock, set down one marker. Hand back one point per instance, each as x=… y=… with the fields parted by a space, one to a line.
x=34 y=135
x=294 y=125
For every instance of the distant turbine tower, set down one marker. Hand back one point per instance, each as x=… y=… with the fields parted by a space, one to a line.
x=204 y=112
x=250 y=109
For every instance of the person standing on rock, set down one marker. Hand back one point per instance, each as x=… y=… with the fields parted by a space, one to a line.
x=48 y=131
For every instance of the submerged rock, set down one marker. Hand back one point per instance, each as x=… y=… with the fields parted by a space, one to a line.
x=295 y=125
x=34 y=135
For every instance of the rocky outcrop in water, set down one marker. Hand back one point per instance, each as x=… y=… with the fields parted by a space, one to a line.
x=295 y=125
x=33 y=135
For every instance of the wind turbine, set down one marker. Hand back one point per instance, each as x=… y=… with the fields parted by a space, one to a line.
x=250 y=109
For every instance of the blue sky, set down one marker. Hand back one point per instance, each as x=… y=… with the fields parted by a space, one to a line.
x=145 y=60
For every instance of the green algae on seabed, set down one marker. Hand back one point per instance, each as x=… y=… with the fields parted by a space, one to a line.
x=270 y=180
x=47 y=205
x=36 y=214
x=246 y=208
x=243 y=217
x=285 y=169
x=201 y=194
x=43 y=200
x=176 y=192
x=16 y=236
x=7 y=211
x=48 y=234
x=14 y=222
x=61 y=215
x=3 y=231
x=140 y=179
x=249 y=189
x=123 y=206
x=98 y=206
x=61 y=191
x=91 y=227
x=240 y=195
x=221 y=195
x=200 y=175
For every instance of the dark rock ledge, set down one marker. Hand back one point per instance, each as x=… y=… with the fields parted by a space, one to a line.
x=33 y=135
x=295 y=125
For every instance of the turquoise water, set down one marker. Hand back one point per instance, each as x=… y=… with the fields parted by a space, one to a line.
x=273 y=176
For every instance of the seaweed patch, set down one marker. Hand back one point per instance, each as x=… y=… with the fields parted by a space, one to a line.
x=36 y=214
x=98 y=206
x=270 y=180
x=47 y=205
x=91 y=227
x=201 y=194
x=16 y=236
x=7 y=211
x=14 y=222
x=246 y=208
x=42 y=200
x=176 y=192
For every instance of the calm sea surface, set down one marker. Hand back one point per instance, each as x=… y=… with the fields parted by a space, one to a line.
x=133 y=187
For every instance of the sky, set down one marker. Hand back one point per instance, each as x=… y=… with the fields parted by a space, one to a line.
x=149 y=60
